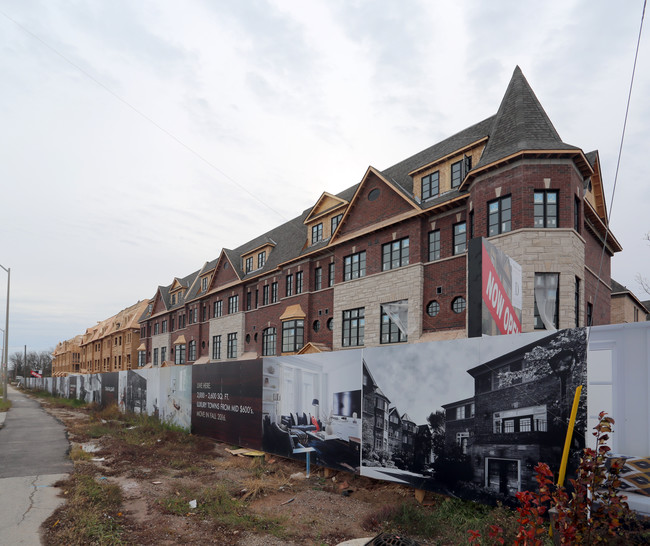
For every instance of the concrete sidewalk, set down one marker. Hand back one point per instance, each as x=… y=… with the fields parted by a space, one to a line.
x=33 y=457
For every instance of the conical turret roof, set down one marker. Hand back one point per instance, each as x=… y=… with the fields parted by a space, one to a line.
x=520 y=124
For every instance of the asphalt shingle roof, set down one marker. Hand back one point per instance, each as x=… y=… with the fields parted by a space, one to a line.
x=520 y=124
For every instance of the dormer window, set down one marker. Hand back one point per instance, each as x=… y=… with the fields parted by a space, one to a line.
x=261 y=259
x=336 y=220
x=456 y=173
x=173 y=299
x=431 y=185
x=204 y=284
x=249 y=264
x=316 y=233
x=459 y=170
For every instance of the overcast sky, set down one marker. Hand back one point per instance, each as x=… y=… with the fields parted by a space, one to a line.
x=138 y=139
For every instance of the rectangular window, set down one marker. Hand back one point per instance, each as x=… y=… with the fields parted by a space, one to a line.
x=395 y=254
x=576 y=303
x=191 y=316
x=354 y=266
x=218 y=308
x=180 y=354
x=261 y=259
x=390 y=329
x=192 y=351
x=268 y=342
x=330 y=274
x=318 y=278
x=248 y=300
x=636 y=314
x=456 y=174
x=336 y=220
x=164 y=326
x=232 y=346
x=431 y=185
x=460 y=238
x=290 y=285
x=142 y=358
x=545 y=209
x=204 y=284
x=576 y=214
x=590 y=314
x=216 y=347
x=233 y=304
x=547 y=300
x=274 y=292
x=316 y=233
x=265 y=294
x=155 y=357
x=293 y=335
x=299 y=282
x=163 y=355
x=499 y=216
x=249 y=264
x=173 y=320
x=353 y=327
x=156 y=327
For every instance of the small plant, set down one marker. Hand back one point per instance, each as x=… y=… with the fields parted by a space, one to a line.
x=592 y=512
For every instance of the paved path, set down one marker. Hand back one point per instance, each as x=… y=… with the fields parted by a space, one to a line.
x=33 y=456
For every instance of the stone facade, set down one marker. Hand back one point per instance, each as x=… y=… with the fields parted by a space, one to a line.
x=370 y=292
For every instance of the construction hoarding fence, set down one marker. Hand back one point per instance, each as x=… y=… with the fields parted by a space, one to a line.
x=470 y=417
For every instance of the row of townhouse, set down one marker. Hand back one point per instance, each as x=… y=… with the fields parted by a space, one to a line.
x=389 y=435
x=385 y=261
x=111 y=345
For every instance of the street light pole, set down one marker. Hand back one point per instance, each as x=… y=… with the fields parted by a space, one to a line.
x=6 y=351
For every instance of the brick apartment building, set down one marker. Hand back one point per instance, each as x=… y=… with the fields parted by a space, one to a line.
x=385 y=261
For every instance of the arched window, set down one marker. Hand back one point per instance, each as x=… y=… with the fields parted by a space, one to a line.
x=269 y=342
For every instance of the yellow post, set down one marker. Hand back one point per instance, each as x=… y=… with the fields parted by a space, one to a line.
x=569 y=435
x=567 y=443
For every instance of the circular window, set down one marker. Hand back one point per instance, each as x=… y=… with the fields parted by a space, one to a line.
x=203 y=344
x=458 y=305
x=255 y=336
x=316 y=325
x=433 y=308
x=248 y=338
x=330 y=324
x=374 y=194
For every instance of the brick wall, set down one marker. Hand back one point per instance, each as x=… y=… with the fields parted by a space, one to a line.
x=365 y=212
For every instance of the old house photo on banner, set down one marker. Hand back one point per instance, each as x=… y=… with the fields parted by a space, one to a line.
x=471 y=417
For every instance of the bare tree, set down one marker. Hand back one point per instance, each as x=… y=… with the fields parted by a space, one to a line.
x=643 y=281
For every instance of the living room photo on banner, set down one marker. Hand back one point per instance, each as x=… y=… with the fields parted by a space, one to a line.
x=312 y=404
x=471 y=417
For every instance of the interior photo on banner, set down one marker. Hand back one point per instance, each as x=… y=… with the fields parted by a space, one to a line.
x=471 y=417
x=312 y=405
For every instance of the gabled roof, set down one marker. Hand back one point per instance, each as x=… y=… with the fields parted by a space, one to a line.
x=619 y=290
x=326 y=203
x=597 y=184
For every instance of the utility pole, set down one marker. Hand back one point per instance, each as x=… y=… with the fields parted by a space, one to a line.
x=6 y=351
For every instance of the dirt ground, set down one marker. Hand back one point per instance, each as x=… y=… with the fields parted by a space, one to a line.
x=326 y=508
